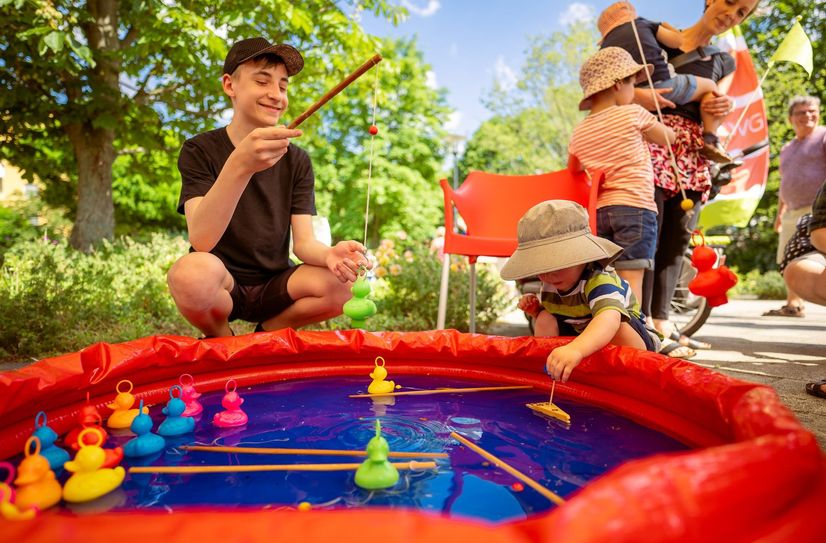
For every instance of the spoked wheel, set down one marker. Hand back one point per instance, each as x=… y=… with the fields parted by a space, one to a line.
x=688 y=311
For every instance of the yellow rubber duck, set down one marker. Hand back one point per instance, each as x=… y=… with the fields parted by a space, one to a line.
x=36 y=482
x=89 y=480
x=10 y=511
x=123 y=414
x=379 y=374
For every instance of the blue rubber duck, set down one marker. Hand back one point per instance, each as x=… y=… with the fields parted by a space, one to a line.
x=146 y=442
x=54 y=454
x=175 y=423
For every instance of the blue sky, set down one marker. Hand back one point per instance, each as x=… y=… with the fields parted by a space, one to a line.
x=469 y=43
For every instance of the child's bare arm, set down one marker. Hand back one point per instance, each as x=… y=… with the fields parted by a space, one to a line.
x=660 y=134
x=599 y=332
x=669 y=36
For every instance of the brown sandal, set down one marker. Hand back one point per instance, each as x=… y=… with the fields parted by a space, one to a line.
x=786 y=311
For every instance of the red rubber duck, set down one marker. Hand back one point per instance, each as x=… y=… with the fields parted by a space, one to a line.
x=710 y=282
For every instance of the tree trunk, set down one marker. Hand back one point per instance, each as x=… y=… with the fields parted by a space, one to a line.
x=93 y=145
x=95 y=154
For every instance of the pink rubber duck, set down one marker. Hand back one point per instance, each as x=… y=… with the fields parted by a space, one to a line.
x=190 y=396
x=233 y=416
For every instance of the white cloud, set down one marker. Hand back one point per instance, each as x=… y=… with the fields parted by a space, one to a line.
x=453 y=121
x=430 y=79
x=577 y=13
x=504 y=74
x=422 y=11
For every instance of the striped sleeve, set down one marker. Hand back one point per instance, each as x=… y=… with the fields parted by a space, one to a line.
x=606 y=291
x=645 y=120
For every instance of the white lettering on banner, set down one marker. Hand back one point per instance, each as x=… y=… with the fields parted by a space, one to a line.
x=753 y=124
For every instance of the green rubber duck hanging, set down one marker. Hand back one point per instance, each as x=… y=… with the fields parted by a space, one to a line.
x=360 y=307
x=377 y=472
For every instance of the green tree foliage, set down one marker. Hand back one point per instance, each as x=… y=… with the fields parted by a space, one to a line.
x=407 y=152
x=86 y=82
x=535 y=118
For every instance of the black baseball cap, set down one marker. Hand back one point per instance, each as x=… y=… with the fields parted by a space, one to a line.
x=251 y=48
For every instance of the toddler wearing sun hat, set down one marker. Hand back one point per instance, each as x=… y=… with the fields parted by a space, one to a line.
x=581 y=294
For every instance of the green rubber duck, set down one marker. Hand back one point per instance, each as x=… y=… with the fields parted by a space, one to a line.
x=377 y=472
x=359 y=307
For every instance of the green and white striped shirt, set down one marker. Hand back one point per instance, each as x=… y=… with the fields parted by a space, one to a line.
x=598 y=290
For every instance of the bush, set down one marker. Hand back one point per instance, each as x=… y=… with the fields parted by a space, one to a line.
x=764 y=285
x=753 y=247
x=406 y=291
x=26 y=220
x=55 y=300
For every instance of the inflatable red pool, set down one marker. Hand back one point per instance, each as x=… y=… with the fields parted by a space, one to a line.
x=754 y=473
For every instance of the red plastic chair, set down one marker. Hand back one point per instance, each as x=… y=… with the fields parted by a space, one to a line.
x=491 y=206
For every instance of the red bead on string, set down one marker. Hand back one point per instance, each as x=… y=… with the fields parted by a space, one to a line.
x=374 y=130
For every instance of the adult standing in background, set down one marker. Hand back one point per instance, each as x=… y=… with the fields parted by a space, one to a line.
x=802 y=172
x=675 y=223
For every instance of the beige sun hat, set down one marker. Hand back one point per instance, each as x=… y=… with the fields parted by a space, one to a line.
x=615 y=15
x=608 y=66
x=554 y=235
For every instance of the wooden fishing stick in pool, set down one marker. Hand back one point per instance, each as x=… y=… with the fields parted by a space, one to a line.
x=439 y=391
x=335 y=90
x=507 y=467
x=308 y=452
x=412 y=465
x=549 y=409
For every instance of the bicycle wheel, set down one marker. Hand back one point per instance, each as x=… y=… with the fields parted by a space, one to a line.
x=688 y=311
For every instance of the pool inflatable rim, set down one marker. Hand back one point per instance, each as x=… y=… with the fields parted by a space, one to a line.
x=757 y=472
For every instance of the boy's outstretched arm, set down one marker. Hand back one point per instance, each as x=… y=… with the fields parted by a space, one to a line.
x=660 y=134
x=207 y=217
x=599 y=333
x=343 y=259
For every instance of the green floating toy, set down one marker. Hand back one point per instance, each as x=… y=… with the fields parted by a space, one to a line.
x=359 y=307
x=377 y=472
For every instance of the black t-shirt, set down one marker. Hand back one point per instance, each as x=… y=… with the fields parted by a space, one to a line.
x=255 y=244
x=715 y=68
x=623 y=36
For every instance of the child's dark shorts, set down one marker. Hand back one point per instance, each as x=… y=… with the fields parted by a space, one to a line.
x=257 y=303
x=632 y=228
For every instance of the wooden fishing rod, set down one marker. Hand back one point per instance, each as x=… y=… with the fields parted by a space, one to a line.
x=335 y=90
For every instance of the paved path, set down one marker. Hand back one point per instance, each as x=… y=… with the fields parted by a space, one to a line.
x=783 y=352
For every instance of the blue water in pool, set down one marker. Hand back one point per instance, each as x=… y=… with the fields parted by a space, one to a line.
x=318 y=413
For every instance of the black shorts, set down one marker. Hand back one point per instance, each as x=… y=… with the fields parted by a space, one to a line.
x=257 y=303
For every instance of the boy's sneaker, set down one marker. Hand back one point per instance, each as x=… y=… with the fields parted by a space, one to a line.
x=714 y=150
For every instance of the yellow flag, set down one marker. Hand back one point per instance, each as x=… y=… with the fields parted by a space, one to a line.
x=796 y=48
